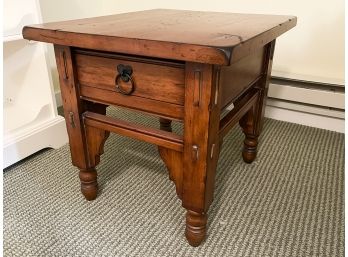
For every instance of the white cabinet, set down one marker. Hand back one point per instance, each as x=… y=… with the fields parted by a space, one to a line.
x=31 y=122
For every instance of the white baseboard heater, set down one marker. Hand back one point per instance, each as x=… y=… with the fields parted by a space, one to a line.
x=307 y=103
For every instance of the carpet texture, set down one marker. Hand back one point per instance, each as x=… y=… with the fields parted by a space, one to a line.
x=289 y=202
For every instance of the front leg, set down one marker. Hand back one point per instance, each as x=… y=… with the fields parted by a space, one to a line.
x=89 y=183
x=201 y=146
x=86 y=143
x=195 y=227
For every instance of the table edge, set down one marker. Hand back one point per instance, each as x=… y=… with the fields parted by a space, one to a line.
x=224 y=55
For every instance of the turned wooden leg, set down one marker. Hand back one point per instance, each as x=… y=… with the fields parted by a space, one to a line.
x=195 y=227
x=250 y=142
x=94 y=143
x=252 y=121
x=250 y=148
x=201 y=146
x=89 y=183
x=94 y=147
x=86 y=143
x=95 y=140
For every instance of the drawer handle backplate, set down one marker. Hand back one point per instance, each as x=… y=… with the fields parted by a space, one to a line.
x=125 y=74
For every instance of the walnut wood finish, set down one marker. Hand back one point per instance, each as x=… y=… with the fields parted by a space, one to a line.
x=136 y=131
x=172 y=159
x=206 y=37
x=201 y=147
x=237 y=78
x=174 y=163
x=250 y=142
x=195 y=227
x=85 y=145
x=168 y=87
x=186 y=66
x=242 y=106
x=165 y=124
x=159 y=85
x=168 y=110
x=252 y=121
x=264 y=84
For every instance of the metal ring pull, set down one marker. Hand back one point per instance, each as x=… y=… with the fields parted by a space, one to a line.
x=125 y=73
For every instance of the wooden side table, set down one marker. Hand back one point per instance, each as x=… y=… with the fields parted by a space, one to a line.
x=177 y=65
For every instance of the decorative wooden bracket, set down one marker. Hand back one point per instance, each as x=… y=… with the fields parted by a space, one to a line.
x=172 y=159
x=95 y=138
x=174 y=163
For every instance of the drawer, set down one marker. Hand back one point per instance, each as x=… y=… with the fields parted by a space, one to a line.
x=239 y=76
x=153 y=79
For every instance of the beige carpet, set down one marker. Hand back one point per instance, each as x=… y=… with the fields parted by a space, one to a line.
x=289 y=202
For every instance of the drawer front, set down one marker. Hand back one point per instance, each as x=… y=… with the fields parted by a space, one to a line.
x=153 y=79
x=238 y=77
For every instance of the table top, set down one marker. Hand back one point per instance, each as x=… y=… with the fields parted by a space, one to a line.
x=210 y=37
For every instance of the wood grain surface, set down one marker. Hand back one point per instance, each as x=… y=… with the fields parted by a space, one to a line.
x=208 y=37
x=151 y=80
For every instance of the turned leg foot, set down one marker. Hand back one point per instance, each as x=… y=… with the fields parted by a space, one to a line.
x=195 y=227
x=89 y=183
x=250 y=131
x=250 y=148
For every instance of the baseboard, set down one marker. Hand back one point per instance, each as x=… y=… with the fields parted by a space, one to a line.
x=317 y=95
x=307 y=103
x=305 y=118
x=48 y=134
